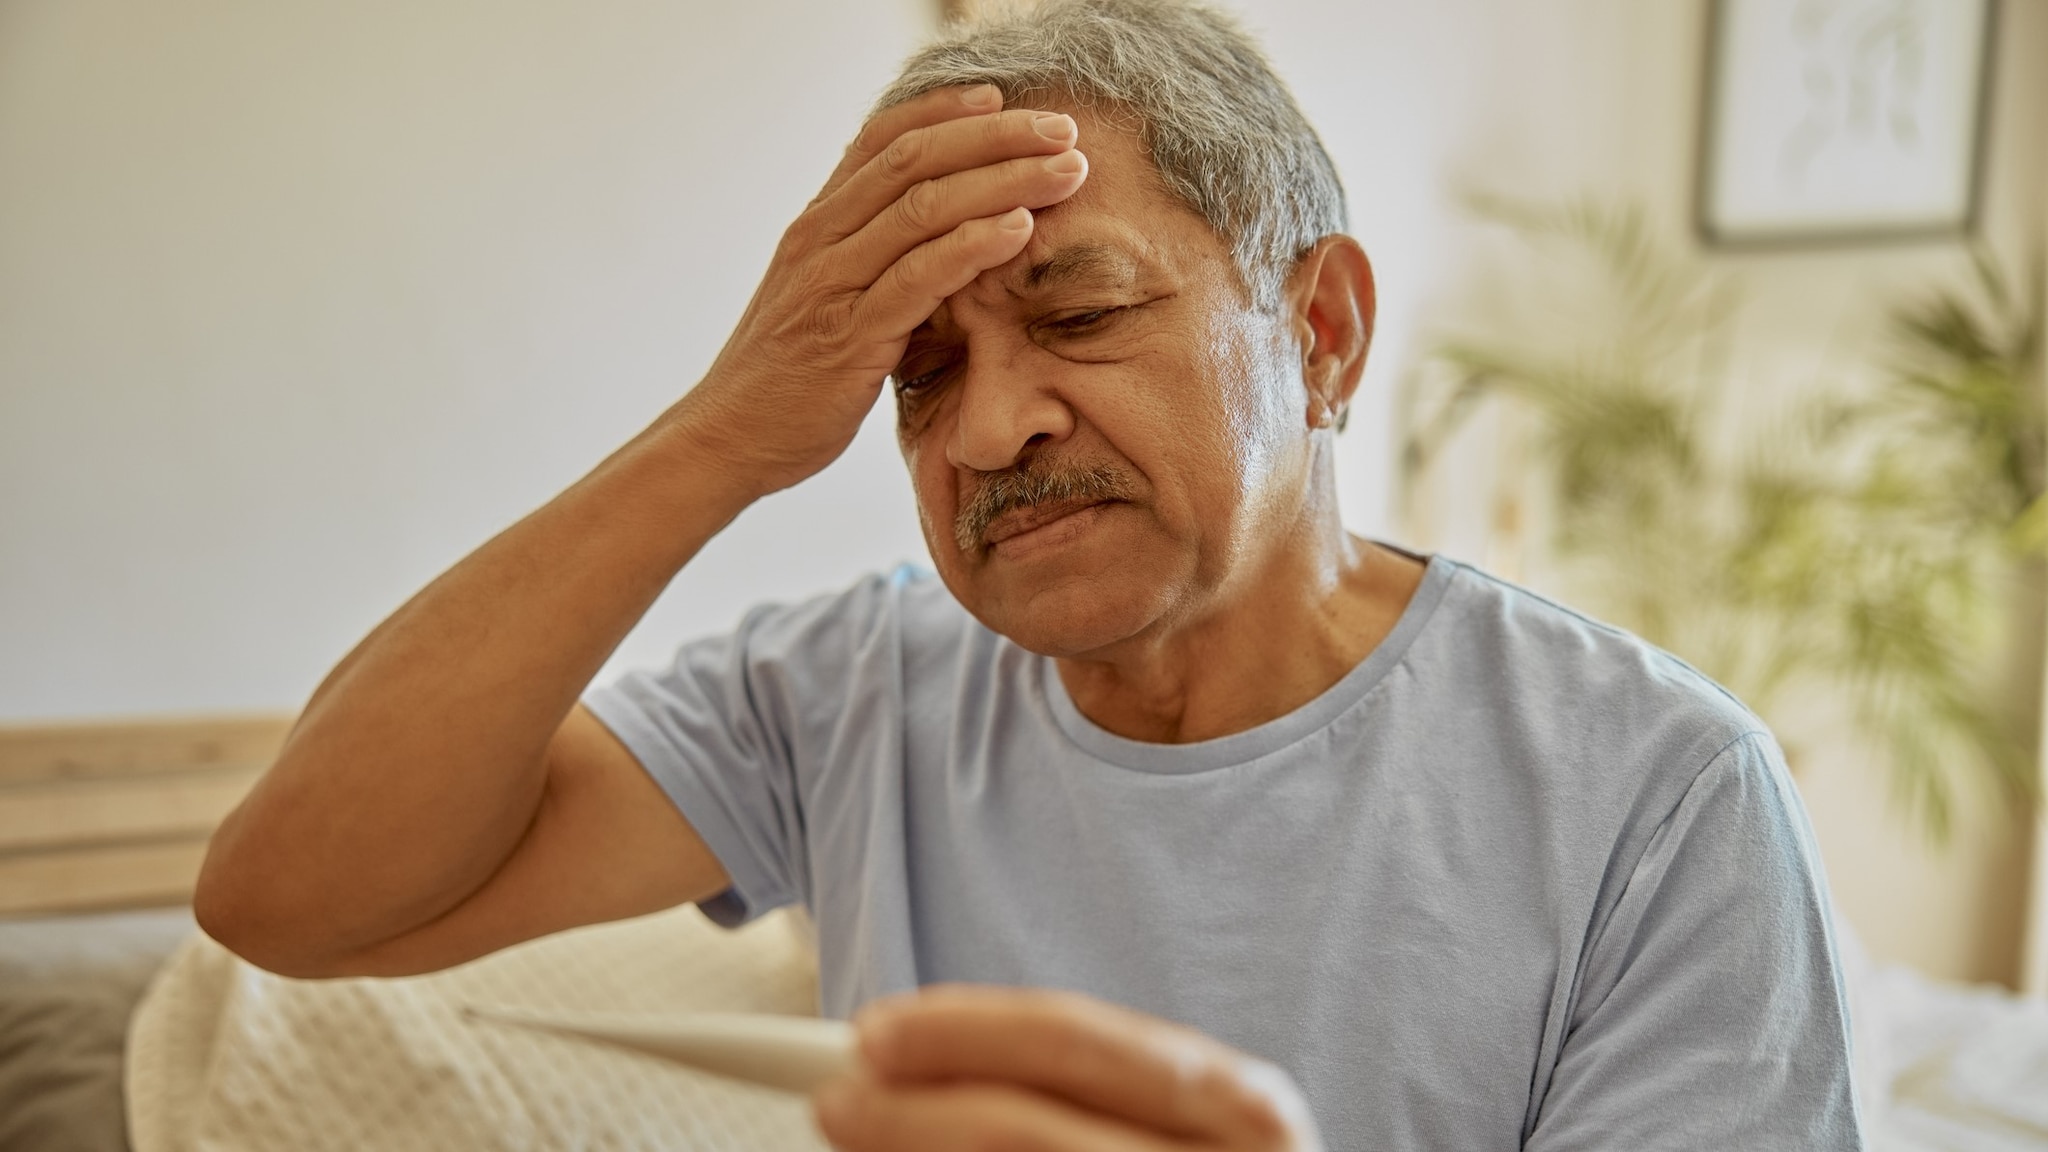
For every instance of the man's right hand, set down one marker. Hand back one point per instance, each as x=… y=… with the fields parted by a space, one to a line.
x=931 y=194
x=443 y=796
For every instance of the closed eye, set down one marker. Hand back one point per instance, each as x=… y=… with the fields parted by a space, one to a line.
x=1082 y=322
x=910 y=385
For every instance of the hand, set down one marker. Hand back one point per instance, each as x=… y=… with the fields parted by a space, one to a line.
x=932 y=193
x=971 y=1067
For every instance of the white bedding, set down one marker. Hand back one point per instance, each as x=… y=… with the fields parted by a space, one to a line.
x=1946 y=1067
x=223 y=1057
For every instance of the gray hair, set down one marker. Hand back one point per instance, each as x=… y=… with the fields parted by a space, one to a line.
x=1224 y=132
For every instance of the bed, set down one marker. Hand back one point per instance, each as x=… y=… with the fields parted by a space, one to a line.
x=102 y=827
x=133 y=1031
x=123 y=1029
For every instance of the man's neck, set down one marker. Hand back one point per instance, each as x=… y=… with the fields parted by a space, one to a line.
x=1285 y=635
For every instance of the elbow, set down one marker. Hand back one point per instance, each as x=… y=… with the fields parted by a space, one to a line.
x=235 y=918
x=258 y=925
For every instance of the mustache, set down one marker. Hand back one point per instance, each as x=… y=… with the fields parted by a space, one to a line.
x=1034 y=482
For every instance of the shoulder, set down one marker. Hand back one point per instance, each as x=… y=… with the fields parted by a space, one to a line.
x=1543 y=648
x=1600 y=724
x=795 y=663
x=1633 y=760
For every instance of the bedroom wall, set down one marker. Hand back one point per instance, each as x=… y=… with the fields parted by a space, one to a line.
x=300 y=303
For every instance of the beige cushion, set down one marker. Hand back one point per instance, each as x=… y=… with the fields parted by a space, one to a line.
x=224 y=1057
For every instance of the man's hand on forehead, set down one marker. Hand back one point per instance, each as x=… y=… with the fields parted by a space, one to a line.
x=937 y=167
x=932 y=193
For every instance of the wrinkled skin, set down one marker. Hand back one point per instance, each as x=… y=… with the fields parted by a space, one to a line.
x=1121 y=340
x=1042 y=302
x=1120 y=337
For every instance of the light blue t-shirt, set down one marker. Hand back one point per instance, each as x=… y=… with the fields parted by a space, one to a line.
x=1518 y=880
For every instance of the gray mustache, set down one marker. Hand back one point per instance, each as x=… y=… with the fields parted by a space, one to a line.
x=1031 y=484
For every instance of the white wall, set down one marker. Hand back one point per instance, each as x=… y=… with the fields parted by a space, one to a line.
x=299 y=303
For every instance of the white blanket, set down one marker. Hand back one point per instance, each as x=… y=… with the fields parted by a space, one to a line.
x=223 y=1057
x=1945 y=1067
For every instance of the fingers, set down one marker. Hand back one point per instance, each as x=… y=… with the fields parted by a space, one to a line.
x=935 y=207
x=1150 y=1073
x=938 y=150
x=922 y=203
x=913 y=287
x=864 y=1115
x=934 y=107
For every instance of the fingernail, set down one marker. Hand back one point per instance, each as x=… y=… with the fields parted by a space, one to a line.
x=1015 y=220
x=1054 y=126
x=1067 y=163
x=982 y=96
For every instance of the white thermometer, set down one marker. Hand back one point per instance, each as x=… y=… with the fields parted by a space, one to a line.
x=793 y=1053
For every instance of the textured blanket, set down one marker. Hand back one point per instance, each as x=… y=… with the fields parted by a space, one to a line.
x=224 y=1057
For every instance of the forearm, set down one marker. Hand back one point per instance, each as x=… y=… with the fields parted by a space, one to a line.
x=420 y=762
x=420 y=767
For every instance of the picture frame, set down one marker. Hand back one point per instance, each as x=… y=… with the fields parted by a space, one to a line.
x=1838 y=122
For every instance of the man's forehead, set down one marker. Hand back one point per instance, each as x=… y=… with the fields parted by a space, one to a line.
x=1077 y=248
x=1088 y=264
x=1096 y=263
x=1110 y=239
x=1091 y=262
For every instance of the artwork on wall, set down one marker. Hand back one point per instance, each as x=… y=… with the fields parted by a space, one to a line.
x=1842 y=121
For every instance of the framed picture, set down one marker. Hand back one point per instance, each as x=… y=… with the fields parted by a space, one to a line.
x=1842 y=121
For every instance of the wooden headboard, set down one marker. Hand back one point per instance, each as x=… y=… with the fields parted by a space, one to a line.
x=117 y=815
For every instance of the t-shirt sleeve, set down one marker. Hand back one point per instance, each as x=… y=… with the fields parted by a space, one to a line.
x=1711 y=1011
x=722 y=730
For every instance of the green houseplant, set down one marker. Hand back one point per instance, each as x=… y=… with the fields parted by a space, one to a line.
x=1863 y=545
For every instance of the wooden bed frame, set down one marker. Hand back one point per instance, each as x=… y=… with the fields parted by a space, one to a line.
x=117 y=815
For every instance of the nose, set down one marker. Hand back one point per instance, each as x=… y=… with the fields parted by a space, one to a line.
x=1005 y=411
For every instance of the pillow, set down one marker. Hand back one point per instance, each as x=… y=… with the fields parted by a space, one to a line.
x=67 y=985
x=226 y=1057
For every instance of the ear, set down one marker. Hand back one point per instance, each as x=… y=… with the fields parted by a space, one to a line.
x=1330 y=300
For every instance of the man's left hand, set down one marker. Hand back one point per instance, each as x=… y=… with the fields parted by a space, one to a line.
x=975 y=1067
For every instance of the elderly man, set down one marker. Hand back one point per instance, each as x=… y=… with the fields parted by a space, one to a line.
x=1289 y=830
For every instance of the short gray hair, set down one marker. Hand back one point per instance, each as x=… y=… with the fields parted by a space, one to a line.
x=1223 y=131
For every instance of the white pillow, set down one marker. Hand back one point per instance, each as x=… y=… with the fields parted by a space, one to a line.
x=224 y=1057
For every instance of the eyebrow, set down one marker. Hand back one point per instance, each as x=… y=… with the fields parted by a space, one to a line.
x=1082 y=262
